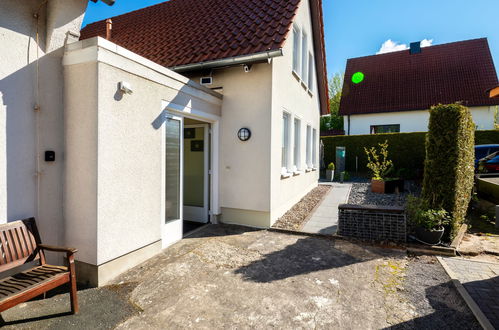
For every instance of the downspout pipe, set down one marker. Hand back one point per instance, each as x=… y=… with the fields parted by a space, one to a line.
x=236 y=60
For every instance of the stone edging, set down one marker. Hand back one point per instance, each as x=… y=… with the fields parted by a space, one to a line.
x=482 y=319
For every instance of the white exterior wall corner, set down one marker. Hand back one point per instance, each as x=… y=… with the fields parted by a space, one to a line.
x=22 y=129
x=120 y=191
x=288 y=94
x=245 y=166
x=413 y=121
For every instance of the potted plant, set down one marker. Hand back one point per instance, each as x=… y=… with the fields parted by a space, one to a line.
x=380 y=166
x=330 y=172
x=429 y=224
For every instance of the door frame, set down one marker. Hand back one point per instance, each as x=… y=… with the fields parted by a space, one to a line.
x=172 y=230
x=206 y=176
x=185 y=111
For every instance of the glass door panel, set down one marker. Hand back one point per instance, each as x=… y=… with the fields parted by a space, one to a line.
x=173 y=169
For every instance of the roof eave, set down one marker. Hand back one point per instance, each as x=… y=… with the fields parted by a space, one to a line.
x=320 y=54
x=229 y=61
x=107 y=2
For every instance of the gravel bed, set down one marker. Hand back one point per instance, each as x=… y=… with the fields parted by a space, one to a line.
x=361 y=195
x=296 y=216
x=434 y=300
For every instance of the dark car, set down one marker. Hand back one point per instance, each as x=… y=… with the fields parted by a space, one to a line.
x=483 y=150
x=492 y=165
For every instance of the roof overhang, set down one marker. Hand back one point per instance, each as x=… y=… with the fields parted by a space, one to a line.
x=107 y=2
x=494 y=92
x=320 y=54
x=224 y=62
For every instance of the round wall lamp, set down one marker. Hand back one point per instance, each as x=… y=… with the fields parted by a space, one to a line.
x=244 y=134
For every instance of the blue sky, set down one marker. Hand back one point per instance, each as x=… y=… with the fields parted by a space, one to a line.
x=360 y=27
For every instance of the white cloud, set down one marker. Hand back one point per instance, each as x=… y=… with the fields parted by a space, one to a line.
x=393 y=46
x=426 y=42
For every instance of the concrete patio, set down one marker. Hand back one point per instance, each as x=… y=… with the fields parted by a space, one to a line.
x=235 y=277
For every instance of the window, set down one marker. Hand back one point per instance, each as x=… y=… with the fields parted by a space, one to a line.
x=311 y=72
x=376 y=129
x=285 y=143
x=296 y=50
x=304 y=58
x=308 y=146
x=314 y=148
x=296 y=145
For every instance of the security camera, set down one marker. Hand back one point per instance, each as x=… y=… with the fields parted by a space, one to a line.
x=125 y=87
x=247 y=68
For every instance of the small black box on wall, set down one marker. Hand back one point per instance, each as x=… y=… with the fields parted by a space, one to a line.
x=50 y=156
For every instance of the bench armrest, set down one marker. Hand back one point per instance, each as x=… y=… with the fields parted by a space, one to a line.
x=57 y=248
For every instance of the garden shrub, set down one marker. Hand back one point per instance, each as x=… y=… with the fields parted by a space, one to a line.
x=407 y=150
x=449 y=163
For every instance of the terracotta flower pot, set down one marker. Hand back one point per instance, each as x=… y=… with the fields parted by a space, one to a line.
x=378 y=186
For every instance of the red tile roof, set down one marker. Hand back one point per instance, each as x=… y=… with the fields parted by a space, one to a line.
x=180 y=32
x=460 y=71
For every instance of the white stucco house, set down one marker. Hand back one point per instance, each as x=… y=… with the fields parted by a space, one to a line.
x=392 y=92
x=122 y=137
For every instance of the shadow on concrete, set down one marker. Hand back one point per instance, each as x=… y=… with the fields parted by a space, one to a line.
x=329 y=230
x=307 y=255
x=222 y=230
x=486 y=294
x=33 y=319
x=450 y=311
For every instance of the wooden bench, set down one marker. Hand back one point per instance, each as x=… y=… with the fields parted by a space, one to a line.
x=20 y=247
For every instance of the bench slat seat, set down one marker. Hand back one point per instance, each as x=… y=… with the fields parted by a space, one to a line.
x=19 y=244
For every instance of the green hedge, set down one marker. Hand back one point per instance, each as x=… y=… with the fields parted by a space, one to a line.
x=449 y=164
x=407 y=150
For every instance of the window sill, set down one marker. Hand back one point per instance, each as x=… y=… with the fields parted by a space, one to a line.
x=314 y=168
x=308 y=170
x=310 y=93
x=285 y=175
x=295 y=173
x=305 y=87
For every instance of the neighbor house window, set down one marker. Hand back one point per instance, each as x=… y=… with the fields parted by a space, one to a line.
x=285 y=143
x=311 y=72
x=376 y=129
x=309 y=146
x=297 y=145
x=304 y=58
x=296 y=50
x=314 y=148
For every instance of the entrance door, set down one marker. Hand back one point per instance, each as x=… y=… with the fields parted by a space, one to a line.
x=196 y=175
x=172 y=228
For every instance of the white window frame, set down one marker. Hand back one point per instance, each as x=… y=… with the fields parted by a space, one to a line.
x=285 y=148
x=311 y=72
x=308 y=147
x=304 y=57
x=314 y=148
x=297 y=145
x=297 y=50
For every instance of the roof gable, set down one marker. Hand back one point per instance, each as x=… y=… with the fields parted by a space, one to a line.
x=179 y=32
x=399 y=81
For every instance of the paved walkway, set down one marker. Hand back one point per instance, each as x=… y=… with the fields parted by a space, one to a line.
x=324 y=220
x=481 y=281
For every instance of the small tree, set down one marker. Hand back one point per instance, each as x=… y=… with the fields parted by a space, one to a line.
x=449 y=163
x=334 y=120
x=378 y=162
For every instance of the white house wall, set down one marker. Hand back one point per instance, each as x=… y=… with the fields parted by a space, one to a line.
x=115 y=147
x=244 y=166
x=288 y=94
x=19 y=195
x=413 y=121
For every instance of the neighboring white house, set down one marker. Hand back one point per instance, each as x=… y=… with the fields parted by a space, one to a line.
x=144 y=153
x=392 y=92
